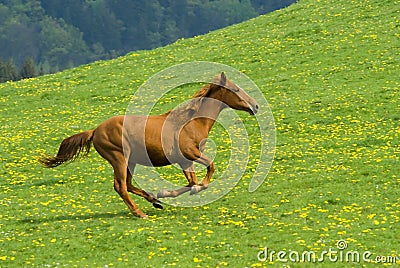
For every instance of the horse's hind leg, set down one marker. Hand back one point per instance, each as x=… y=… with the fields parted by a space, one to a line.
x=120 y=186
x=148 y=196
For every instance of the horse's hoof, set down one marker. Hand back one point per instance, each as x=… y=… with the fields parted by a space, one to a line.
x=195 y=189
x=141 y=215
x=158 y=205
x=163 y=193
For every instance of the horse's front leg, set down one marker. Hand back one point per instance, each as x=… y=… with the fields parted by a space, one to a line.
x=204 y=160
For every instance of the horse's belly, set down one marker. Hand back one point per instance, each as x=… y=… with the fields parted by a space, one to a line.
x=148 y=157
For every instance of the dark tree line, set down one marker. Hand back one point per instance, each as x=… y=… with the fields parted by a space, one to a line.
x=10 y=72
x=61 y=34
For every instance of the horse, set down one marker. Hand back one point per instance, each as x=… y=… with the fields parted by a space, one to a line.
x=175 y=137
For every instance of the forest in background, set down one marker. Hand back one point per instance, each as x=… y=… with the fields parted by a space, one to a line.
x=39 y=37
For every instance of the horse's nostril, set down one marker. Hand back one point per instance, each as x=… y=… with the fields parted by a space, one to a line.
x=254 y=109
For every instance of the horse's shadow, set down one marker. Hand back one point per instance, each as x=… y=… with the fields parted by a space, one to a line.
x=61 y=218
x=94 y=216
x=90 y=216
x=47 y=182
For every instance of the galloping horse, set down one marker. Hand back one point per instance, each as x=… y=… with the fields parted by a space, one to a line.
x=174 y=137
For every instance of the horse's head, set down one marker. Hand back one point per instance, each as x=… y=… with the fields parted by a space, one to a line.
x=232 y=95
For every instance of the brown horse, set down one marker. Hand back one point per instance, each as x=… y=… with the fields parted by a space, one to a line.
x=174 y=137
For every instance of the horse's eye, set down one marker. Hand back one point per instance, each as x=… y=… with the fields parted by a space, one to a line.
x=236 y=90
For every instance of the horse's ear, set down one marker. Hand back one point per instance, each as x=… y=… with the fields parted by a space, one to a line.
x=223 y=78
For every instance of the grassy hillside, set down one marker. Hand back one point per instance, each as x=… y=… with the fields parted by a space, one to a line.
x=329 y=70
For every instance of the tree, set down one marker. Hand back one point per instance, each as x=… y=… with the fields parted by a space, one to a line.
x=262 y=6
x=8 y=71
x=4 y=14
x=2 y=71
x=62 y=44
x=28 y=70
x=18 y=39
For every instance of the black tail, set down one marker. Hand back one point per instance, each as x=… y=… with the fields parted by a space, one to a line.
x=70 y=149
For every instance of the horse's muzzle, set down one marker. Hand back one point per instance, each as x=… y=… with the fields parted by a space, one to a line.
x=253 y=109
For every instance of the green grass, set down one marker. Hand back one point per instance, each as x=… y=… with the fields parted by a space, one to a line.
x=330 y=72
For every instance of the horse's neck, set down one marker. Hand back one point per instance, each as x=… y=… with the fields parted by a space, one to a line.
x=208 y=112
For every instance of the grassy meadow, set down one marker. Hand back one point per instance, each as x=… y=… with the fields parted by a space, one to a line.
x=330 y=72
